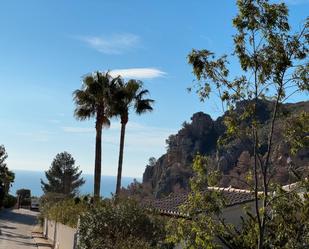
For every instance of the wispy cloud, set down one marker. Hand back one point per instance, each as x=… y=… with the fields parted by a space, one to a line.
x=72 y=129
x=54 y=121
x=39 y=136
x=112 y=44
x=138 y=136
x=138 y=73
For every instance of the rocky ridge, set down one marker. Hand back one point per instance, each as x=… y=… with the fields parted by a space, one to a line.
x=172 y=171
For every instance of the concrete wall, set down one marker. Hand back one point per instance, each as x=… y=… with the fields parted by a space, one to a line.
x=51 y=229
x=63 y=237
x=232 y=214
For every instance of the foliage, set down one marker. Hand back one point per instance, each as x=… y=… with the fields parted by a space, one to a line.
x=65 y=211
x=130 y=243
x=24 y=193
x=24 y=196
x=9 y=201
x=199 y=228
x=151 y=162
x=111 y=224
x=289 y=221
x=137 y=191
x=288 y=224
x=297 y=131
x=63 y=176
x=6 y=176
x=275 y=66
x=204 y=225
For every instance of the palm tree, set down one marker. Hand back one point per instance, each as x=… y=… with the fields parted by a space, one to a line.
x=129 y=95
x=93 y=100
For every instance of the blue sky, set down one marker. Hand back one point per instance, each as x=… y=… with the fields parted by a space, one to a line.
x=47 y=46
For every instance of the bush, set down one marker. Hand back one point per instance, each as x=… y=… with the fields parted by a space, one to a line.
x=119 y=225
x=25 y=196
x=9 y=201
x=66 y=211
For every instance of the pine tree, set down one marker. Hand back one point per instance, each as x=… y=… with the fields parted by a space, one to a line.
x=63 y=176
x=6 y=176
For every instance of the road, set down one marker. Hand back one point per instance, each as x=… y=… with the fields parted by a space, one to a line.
x=15 y=229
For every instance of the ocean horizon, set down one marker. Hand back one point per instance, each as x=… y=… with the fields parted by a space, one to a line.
x=32 y=180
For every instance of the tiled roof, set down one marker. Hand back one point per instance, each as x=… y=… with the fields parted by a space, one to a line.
x=170 y=205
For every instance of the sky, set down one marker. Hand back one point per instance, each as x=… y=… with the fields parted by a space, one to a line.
x=46 y=47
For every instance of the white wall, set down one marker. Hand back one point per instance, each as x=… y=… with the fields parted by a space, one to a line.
x=62 y=236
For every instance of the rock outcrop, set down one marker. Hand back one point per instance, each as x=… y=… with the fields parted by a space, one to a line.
x=172 y=171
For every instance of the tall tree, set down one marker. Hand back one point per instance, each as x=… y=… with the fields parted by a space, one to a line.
x=274 y=63
x=6 y=176
x=63 y=176
x=130 y=95
x=93 y=100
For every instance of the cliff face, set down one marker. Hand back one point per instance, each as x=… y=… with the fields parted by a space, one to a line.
x=172 y=171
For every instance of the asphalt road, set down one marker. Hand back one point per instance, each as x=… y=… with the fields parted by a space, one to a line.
x=15 y=229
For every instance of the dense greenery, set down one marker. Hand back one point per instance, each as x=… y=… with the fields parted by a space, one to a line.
x=24 y=196
x=65 y=211
x=6 y=176
x=121 y=224
x=108 y=223
x=206 y=227
x=275 y=66
x=94 y=100
x=9 y=201
x=63 y=176
x=129 y=95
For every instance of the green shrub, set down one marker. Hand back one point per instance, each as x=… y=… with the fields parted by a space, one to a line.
x=117 y=226
x=9 y=201
x=25 y=196
x=66 y=211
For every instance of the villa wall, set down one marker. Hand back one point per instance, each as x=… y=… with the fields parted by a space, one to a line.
x=233 y=213
x=62 y=236
x=50 y=229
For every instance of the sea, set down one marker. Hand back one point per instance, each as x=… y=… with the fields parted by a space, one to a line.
x=32 y=180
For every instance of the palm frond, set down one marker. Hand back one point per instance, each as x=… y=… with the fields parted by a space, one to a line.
x=96 y=96
x=82 y=113
x=143 y=105
x=142 y=93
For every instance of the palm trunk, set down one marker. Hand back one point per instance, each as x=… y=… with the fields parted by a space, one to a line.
x=120 y=160
x=97 y=164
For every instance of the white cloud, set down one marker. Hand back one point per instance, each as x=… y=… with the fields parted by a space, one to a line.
x=138 y=73
x=113 y=44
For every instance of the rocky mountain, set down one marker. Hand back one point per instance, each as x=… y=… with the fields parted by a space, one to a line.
x=172 y=171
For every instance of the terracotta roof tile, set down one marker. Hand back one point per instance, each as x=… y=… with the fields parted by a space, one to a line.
x=170 y=205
